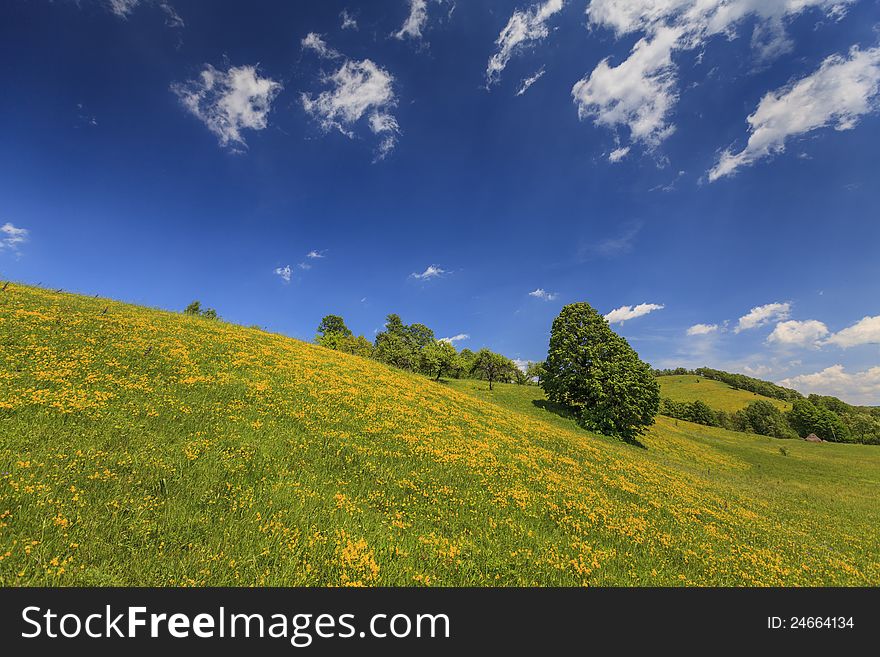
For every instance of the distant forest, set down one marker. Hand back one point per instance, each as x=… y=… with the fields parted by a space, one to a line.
x=828 y=418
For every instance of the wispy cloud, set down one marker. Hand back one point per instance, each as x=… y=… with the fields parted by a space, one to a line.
x=640 y=93
x=837 y=94
x=123 y=8
x=284 y=272
x=524 y=28
x=541 y=293
x=313 y=254
x=456 y=338
x=228 y=102
x=610 y=247
x=315 y=42
x=415 y=22
x=431 y=271
x=11 y=236
x=348 y=21
x=625 y=313
x=702 y=329
x=529 y=81
x=356 y=91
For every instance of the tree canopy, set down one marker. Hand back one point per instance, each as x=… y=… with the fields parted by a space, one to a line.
x=594 y=371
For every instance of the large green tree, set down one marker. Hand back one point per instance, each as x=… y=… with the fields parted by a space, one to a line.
x=594 y=371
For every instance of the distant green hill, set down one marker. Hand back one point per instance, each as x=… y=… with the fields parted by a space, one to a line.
x=718 y=395
x=142 y=447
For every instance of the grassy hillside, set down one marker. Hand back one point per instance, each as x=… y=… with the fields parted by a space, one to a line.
x=716 y=394
x=145 y=447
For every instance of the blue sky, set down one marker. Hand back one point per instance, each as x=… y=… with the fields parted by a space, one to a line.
x=711 y=167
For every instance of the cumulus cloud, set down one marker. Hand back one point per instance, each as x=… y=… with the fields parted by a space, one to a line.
x=357 y=90
x=524 y=28
x=529 y=81
x=284 y=273
x=228 y=102
x=837 y=94
x=431 y=271
x=315 y=42
x=702 y=329
x=456 y=338
x=800 y=334
x=855 y=388
x=761 y=315
x=11 y=236
x=415 y=22
x=541 y=293
x=865 y=331
x=624 y=313
x=640 y=93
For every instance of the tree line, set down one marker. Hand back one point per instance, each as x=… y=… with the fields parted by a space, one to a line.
x=826 y=417
x=599 y=378
x=415 y=348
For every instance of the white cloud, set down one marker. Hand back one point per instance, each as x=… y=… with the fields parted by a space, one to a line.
x=348 y=21
x=865 y=331
x=702 y=329
x=795 y=333
x=641 y=92
x=314 y=41
x=618 y=154
x=315 y=254
x=840 y=91
x=304 y=265
x=528 y=82
x=284 y=273
x=456 y=338
x=415 y=22
x=524 y=28
x=624 y=313
x=761 y=315
x=431 y=271
x=229 y=102
x=123 y=8
x=11 y=236
x=357 y=90
x=856 y=388
x=521 y=364
x=541 y=293
x=638 y=93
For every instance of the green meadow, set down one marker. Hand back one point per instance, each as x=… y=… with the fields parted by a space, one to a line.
x=719 y=396
x=143 y=447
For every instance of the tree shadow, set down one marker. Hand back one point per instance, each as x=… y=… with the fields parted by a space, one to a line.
x=568 y=414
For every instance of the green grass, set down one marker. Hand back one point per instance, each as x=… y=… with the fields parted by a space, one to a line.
x=144 y=447
x=716 y=394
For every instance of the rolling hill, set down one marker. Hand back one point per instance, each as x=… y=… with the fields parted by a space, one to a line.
x=718 y=395
x=143 y=447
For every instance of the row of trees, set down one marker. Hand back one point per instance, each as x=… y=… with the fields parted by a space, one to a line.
x=414 y=348
x=804 y=418
x=761 y=417
x=737 y=382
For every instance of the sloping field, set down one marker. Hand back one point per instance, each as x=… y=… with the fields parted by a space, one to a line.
x=144 y=447
x=716 y=394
